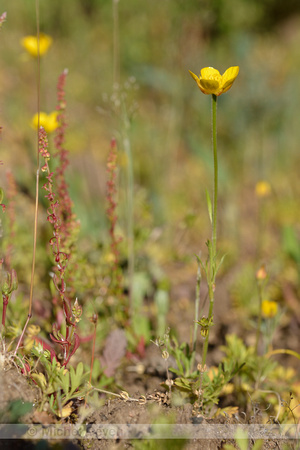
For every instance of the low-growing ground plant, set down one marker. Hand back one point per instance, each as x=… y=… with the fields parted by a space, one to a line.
x=76 y=320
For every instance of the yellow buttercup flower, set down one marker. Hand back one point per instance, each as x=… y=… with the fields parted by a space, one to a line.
x=30 y=43
x=269 y=308
x=47 y=121
x=263 y=189
x=211 y=81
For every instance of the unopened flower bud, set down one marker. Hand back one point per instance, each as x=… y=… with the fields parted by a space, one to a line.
x=201 y=368
x=14 y=280
x=142 y=400
x=261 y=274
x=9 y=282
x=124 y=395
x=5 y=283
x=77 y=311
x=165 y=354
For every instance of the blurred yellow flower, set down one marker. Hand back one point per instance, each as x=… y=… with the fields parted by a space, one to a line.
x=263 y=189
x=47 y=121
x=30 y=43
x=211 y=81
x=66 y=411
x=32 y=332
x=269 y=308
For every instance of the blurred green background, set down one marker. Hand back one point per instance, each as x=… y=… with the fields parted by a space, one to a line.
x=168 y=116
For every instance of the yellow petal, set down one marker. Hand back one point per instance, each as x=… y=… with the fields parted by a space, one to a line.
x=34 y=121
x=66 y=410
x=210 y=73
x=209 y=86
x=30 y=43
x=52 y=123
x=210 y=81
x=33 y=330
x=262 y=189
x=269 y=308
x=194 y=76
x=228 y=78
x=47 y=121
x=230 y=74
x=28 y=343
x=45 y=43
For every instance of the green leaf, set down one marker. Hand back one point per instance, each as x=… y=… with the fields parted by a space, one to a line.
x=16 y=409
x=141 y=288
x=209 y=207
x=183 y=383
x=40 y=380
x=199 y=260
x=65 y=381
x=220 y=263
x=73 y=379
x=241 y=438
x=77 y=394
x=79 y=371
x=76 y=377
x=75 y=382
x=178 y=361
x=141 y=326
x=51 y=401
x=177 y=372
x=258 y=444
x=291 y=243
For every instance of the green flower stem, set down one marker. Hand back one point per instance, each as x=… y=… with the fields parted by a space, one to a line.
x=215 y=193
x=213 y=246
x=130 y=233
x=197 y=305
x=116 y=47
x=260 y=294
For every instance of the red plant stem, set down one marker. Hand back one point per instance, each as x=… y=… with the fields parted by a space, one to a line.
x=11 y=195
x=69 y=225
x=70 y=342
x=34 y=243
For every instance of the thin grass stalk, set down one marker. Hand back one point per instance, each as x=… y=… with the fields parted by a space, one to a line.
x=258 y=329
x=130 y=233
x=37 y=9
x=116 y=44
